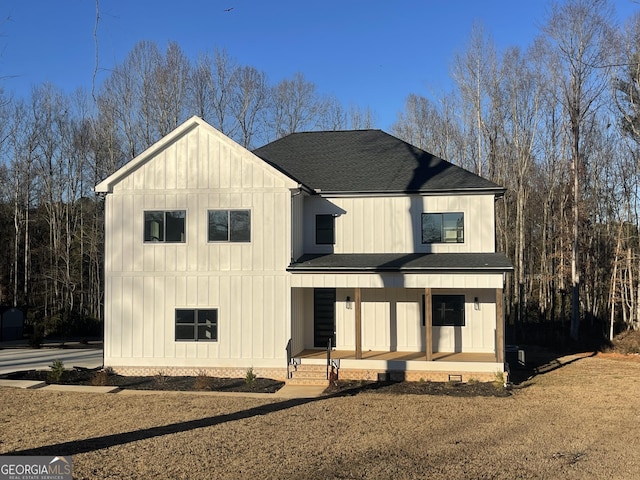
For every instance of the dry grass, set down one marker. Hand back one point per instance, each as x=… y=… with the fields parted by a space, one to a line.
x=577 y=421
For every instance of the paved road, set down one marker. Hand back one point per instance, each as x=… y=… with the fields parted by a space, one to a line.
x=17 y=359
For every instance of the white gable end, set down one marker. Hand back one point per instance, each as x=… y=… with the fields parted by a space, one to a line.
x=195 y=156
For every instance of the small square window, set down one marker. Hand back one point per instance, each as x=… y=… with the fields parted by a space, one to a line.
x=447 y=310
x=197 y=325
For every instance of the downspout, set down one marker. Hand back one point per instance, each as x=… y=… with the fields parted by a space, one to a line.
x=294 y=193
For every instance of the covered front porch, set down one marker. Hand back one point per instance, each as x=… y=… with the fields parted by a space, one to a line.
x=321 y=354
x=423 y=316
x=396 y=366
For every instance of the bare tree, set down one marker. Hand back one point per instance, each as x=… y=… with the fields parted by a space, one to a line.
x=294 y=106
x=581 y=39
x=361 y=118
x=170 y=85
x=522 y=98
x=333 y=115
x=248 y=102
x=473 y=72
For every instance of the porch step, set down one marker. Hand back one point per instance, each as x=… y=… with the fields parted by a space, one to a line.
x=307 y=374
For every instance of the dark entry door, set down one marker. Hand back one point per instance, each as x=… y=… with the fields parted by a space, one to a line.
x=324 y=317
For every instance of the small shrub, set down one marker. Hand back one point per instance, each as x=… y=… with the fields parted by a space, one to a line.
x=203 y=381
x=100 y=379
x=250 y=378
x=499 y=382
x=161 y=377
x=57 y=370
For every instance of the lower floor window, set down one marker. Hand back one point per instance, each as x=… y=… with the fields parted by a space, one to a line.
x=447 y=310
x=197 y=324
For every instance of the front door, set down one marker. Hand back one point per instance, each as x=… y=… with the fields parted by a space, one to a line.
x=324 y=317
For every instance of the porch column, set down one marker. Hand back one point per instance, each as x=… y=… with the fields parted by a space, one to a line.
x=428 y=324
x=358 y=307
x=499 y=326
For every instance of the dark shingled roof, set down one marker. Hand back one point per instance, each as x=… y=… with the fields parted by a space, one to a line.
x=361 y=161
x=399 y=262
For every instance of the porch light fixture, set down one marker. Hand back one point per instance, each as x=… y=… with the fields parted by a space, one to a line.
x=348 y=303
x=476 y=304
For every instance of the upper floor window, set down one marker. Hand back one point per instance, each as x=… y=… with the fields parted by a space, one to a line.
x=325 y=226
x=229 y=226
x=443 y=228
x=164 y=226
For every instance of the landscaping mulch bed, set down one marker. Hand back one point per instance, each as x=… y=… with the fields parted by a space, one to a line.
x=156 y=382
x=260 y=385
x=452 y=389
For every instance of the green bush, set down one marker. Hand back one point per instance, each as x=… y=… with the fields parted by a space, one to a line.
x=57 y=370
x=250 y=378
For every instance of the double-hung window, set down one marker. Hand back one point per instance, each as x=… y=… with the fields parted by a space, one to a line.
x=229 y=226
x=197 y=325
x=443 y=227
x=164 y=226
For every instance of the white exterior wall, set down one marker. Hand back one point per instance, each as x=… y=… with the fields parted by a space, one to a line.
x=392 y=224
x=246 y=282
x=297 y=221
x=392 y=321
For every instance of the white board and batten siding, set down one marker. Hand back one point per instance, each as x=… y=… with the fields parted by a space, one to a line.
x=198 y=170
x=392 y=224
x=391 y=302
x=392 y=321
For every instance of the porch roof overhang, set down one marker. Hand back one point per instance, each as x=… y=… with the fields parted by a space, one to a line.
x=402 y=263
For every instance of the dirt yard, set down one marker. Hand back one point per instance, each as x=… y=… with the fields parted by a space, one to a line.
x=578 y=420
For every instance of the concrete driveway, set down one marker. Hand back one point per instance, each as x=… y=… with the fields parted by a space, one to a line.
x=15 y=359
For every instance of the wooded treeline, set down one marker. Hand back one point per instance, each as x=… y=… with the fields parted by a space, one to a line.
x=557 y=124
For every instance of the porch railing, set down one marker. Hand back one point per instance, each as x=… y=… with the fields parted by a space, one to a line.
x=328 y=356
x=289 y=357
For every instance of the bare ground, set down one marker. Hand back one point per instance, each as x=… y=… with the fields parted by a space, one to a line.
x=578 y=419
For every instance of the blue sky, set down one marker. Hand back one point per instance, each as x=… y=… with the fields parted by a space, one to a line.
x=368 y=53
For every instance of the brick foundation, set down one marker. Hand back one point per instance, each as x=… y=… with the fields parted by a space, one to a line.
x=417 y=376
x=222 y=372
x=281 y=374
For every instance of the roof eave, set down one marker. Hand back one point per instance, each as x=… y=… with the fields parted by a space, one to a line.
x=310 y=269
x=497 y=192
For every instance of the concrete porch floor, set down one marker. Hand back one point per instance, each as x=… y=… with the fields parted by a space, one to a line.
x=319 y=354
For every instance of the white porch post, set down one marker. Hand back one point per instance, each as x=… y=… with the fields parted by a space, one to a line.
x=358 y=305
x=428 y=325
x=499 y=326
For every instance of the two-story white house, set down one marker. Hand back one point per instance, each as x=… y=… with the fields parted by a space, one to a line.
x=219 y=259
